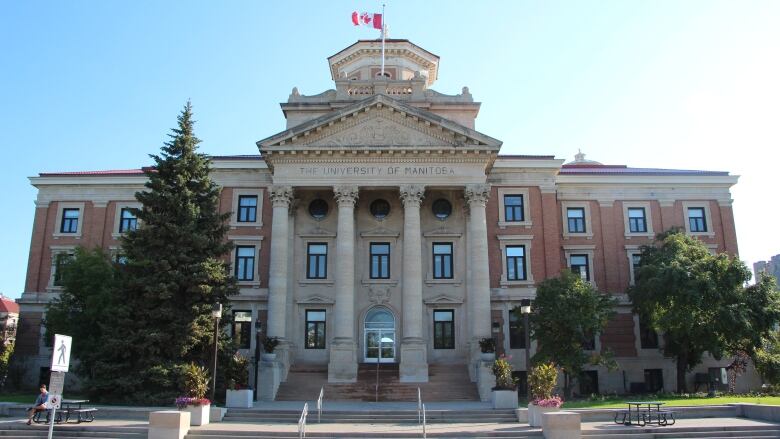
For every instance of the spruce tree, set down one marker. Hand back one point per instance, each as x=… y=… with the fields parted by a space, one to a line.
x=174 y=273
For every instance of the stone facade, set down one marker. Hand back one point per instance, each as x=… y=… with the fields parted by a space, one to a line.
x=386 y=229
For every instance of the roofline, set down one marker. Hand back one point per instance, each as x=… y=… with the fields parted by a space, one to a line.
x=389 y=40
x=623 y=179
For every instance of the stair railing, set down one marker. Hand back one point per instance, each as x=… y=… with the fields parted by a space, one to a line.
x=424 y=423
x=302 y=421
x=419 y=406
x=319 y=405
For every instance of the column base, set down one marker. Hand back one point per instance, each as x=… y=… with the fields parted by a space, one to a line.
x=414 y=361
x=283 y=355
x=342 y=367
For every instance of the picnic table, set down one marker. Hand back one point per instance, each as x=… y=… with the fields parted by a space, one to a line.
x=71 y=408
x=645 y=412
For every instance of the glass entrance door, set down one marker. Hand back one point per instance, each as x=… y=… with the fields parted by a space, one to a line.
x=379 y=340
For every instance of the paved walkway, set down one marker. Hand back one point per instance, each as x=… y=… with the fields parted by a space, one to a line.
x=681 y=423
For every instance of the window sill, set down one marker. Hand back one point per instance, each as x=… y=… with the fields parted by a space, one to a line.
x=245 y=225
x=392 y=282
x=248 y=283
x=505 y=224
x=578 y=235
x=67 y=235
x=442 y=282
x=639 y=235
x=305 y=282
x=516 y=283
x=707 y=234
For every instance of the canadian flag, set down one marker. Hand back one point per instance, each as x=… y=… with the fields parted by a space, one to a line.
x=367 y=19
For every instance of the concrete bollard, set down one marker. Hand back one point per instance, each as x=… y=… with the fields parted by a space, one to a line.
x=217 y=413
x=561 y=425
x=168 y=424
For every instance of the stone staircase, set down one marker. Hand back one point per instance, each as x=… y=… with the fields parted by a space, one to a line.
x=371 y=416
x=22 y=431
x=445 y=383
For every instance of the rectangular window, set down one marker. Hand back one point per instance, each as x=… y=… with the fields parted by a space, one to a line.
x=579 y=265
x=315 y=329
x=245 y=262
x=647 y=335
x=521 y=378
x=637 y=221
x=380 y=260
x=443 y=329
x=516 y=330
x=70 y=221
x=515 y=262
x=576 y=219
x=127 y=220
x=442 y=260
x=636 y=260
x=247 y=208
x=696 y=219
x=242 y=329
x=60 y=259
x=317 y=261
x=513 y=208
x=589 y=382
x=589 y=341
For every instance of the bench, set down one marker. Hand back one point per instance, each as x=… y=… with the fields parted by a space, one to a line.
x=39 y=414
x=623 y=414
x=83 y=415
x=664 y=416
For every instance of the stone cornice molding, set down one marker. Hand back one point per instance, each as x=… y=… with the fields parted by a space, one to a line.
x=412 y=194
x=346 y=195
x=281 y=195
x=477 y=194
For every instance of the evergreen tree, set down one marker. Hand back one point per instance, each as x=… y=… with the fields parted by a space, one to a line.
x=700 y=301
x=174 y=272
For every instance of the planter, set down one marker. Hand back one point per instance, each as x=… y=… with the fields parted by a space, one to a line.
x=488 y=356
x=268 y=357
x=535 y=414
x=504 y=399
x=239 y=399
x=199 y=414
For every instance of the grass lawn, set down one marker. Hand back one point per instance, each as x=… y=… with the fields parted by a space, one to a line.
x=28 y=397
x=671 y=401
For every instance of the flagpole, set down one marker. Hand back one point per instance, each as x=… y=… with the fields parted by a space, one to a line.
x=384 y=26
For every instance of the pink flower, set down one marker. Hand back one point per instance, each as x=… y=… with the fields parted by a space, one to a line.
x=555 y=402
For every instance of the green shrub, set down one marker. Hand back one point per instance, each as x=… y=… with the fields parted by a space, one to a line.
x=542 y=380
x=194 y=380
x=503 y=372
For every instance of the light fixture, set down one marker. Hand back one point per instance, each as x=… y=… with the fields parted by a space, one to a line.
x=525 y=306
x=216 y=310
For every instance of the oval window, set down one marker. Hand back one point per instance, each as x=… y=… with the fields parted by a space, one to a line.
x=318 y=209
x=442 y=208
x=379 y=208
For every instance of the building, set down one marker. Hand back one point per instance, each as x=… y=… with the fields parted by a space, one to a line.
x=9 y=317
x=381 y=227
x=767 y=268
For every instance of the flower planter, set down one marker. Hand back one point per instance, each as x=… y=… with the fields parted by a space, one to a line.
x=504 y=399
x=488 y=356
x=268 y=357
x=239 y=399
x=535 y=414
x=199 y=414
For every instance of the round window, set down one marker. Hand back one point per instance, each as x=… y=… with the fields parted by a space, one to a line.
x=318 y=209
x=379 y=208
x=442 y=208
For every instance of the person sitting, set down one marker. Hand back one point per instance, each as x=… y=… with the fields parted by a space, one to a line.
x=40 y=404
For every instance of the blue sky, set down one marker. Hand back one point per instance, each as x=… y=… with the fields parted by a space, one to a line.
x=692 y=85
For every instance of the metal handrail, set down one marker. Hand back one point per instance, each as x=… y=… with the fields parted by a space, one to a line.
x=424 y=423
x=319 y=404
x=419 y=406
x=302 y=421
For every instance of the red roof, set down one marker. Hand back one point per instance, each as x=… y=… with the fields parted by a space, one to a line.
x=8 y=305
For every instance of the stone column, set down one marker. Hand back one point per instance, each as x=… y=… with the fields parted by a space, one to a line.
x=479 y=293
x=414 y=358
x=342 y=367
x=281 y=196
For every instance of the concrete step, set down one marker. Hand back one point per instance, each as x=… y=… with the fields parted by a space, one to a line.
x=372 y=416
x=21 y=430
x=363 y=434
x=673 y=432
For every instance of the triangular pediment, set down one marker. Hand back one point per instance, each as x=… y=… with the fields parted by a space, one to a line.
x=378 y=121
x=443 y=299
x=316 y=299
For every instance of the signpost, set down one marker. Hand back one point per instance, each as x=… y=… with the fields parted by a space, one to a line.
x=60 y=362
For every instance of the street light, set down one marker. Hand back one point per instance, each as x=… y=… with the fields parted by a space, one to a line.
x=258 y=337
x=216 y=312
x=525 y=310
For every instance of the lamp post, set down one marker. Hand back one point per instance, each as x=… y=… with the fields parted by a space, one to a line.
x=525 y=310
x=258 y=337
x=216 y=312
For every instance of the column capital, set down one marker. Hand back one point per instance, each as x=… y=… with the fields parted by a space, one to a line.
x=477 y=194
x=345 y=194
x=281 y=195
x=412 y=194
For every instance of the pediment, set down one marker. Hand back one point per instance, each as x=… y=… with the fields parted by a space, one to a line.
x=443 y=299
x=316 y=299
x=378 y=121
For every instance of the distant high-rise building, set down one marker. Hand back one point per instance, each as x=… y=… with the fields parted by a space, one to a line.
x=770 y=267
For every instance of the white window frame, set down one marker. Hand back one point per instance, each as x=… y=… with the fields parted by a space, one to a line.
x=237 y=192
x=648 y=219
x=58 y=224
x=57 y=250
x=705 y=205
x=565 y=205
x=118 y=216
x=509 y=240
x=588 y=250
x=502 y=223
x=631 y=250
x=256 y=241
